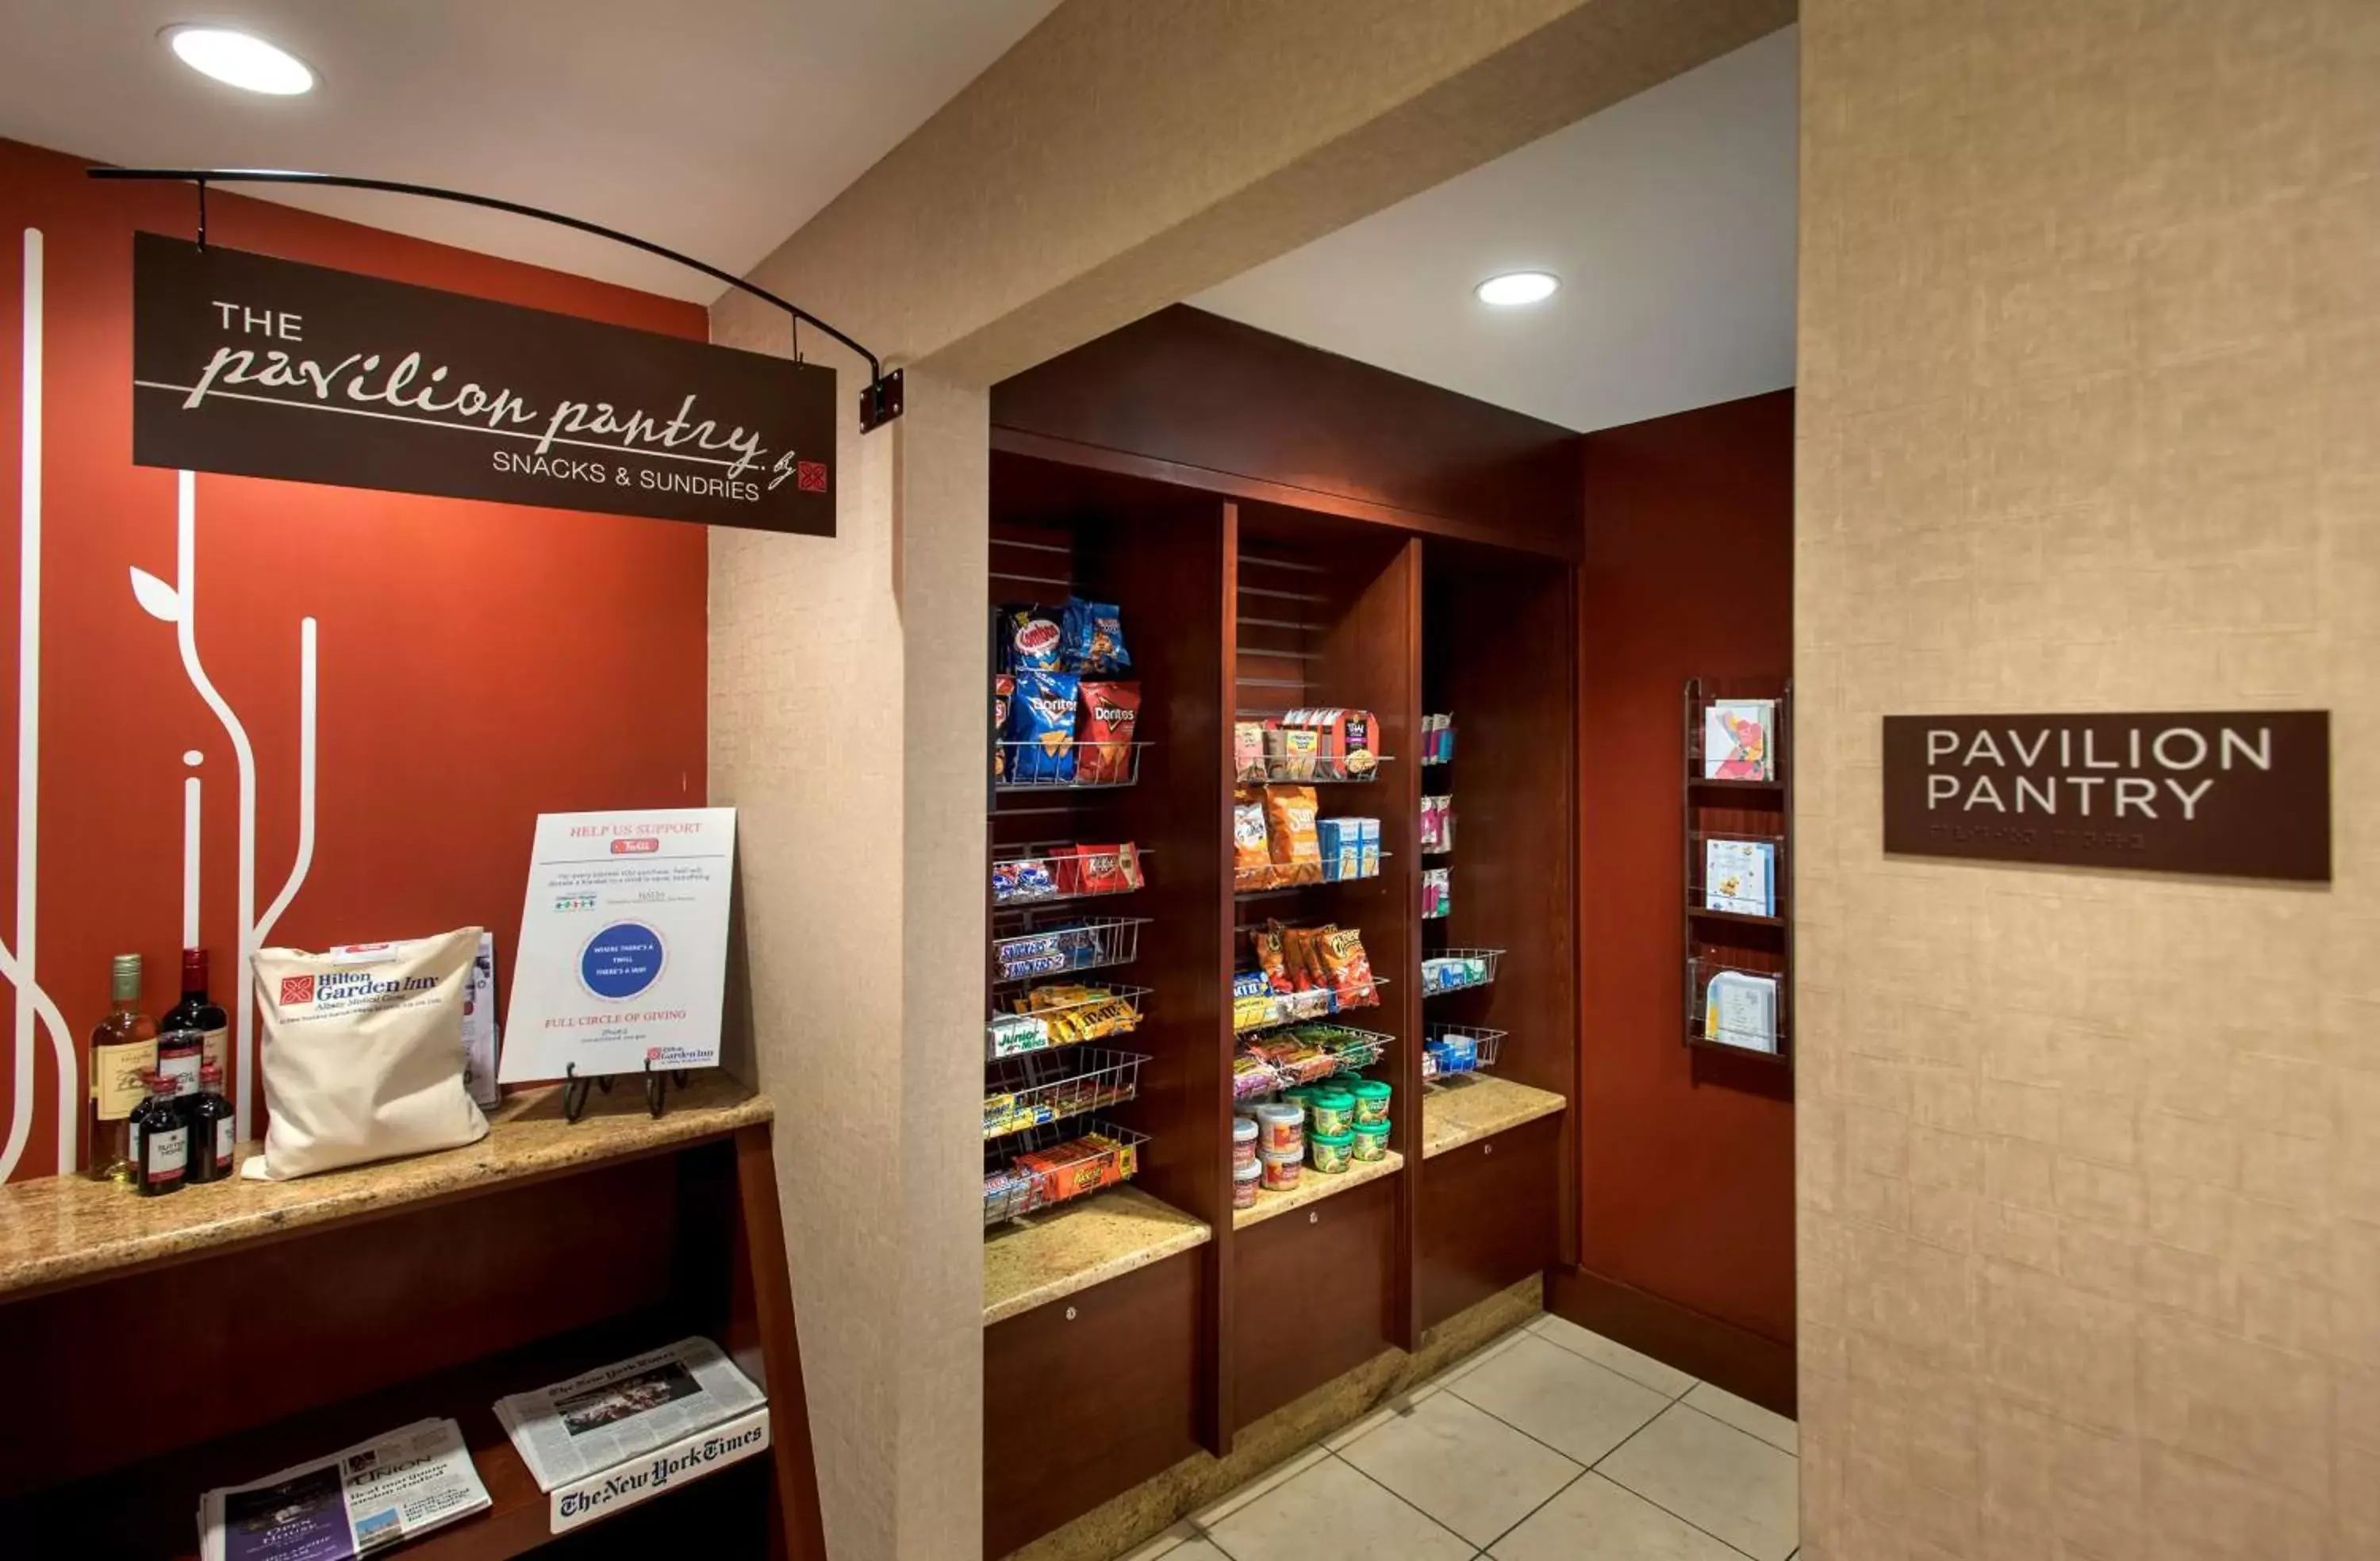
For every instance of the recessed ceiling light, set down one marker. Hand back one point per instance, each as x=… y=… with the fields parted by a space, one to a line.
x=1516 y=287
x=240 y=59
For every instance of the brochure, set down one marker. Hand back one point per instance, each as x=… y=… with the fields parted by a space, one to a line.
x=1740 y=875
x=356 y=1501
x=1739 y=1010
x=598 y=1419
x=1736 y=740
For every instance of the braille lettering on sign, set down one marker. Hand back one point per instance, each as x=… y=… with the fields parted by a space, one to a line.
x=2242 y=793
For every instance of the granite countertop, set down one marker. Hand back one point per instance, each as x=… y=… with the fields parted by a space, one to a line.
x=1313 y=1186
x=1032 y=1262
x=1471 y=1107
x=65 y=1229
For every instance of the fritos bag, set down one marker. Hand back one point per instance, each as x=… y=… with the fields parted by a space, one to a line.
x=363 y=1053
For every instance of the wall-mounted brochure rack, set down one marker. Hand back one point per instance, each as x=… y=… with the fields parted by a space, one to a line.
x=1736 y=862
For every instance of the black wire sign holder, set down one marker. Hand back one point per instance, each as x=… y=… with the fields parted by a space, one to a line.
x=657 y=1088
x=879 y=403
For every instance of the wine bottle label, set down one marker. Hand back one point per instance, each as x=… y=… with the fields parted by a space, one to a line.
x=224 y=1141
x=168 y=1153
x=178 y=1055
x=115 y=1084
x=132 y=1143
x=214 y=1049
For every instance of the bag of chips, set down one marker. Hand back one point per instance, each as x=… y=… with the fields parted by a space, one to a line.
x=1091 y=639
x=1251 y=857
x=1030 y=638
x=1042 y=728
x=1296 y=844
x=1347 y=969
x=1103 y=739
x=1003 y=690
x=1271 y=960
x=1249 y=750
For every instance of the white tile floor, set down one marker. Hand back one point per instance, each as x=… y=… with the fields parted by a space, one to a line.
x=1552 y=1444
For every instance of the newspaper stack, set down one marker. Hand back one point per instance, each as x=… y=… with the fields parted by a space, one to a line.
x=619 y=1434
x=356 y=1500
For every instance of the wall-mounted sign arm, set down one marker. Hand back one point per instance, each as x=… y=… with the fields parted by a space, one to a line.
x=879 y=403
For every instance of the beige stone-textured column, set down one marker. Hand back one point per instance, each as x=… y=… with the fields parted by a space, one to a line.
x=2089 y=1169
x=1124 y=155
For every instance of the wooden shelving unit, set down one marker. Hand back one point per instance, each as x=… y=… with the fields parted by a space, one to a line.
x=1752 y=810
x=213 y=1336
x=1239 y=607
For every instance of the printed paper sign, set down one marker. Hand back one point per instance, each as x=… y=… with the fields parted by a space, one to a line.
x=623 y=945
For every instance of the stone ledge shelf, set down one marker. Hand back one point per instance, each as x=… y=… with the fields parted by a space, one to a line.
x=67 y=1231
x=1313 y=1186
x=1087 y=1241
x=1477 y=1106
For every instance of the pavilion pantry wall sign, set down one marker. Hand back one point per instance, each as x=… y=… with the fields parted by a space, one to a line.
x=2242 y=793
x=260 y=367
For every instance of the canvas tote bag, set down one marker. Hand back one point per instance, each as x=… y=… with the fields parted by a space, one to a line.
x=363 y=1053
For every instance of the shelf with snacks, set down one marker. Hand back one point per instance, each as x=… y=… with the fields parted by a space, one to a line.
x=1458 y=970
x=1040 y=944
x=1059 y=1014
x=1736 y=869
x=1036 y=873
x=1034 y=1089
x=1450 y=1050
x=1042 y=1167
x=1500 y=958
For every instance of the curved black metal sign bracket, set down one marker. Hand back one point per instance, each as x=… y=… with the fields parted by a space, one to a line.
x=879 y=403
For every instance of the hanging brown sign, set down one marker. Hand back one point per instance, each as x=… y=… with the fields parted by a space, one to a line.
x=261 y=367
x=2244 y=793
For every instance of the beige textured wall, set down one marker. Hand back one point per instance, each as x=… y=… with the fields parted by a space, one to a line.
x=2089 y=1173
x=1126 y=154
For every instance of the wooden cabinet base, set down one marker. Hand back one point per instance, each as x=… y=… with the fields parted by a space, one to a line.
x=1488 y=1213
x=1087 y=1396
x=1310 y=1296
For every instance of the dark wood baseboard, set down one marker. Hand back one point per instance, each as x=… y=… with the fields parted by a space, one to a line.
x=1744 y=1363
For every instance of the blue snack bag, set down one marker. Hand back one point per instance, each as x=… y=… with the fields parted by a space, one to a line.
x=1042 y=728
x=1030 y=638
x=1091 y=638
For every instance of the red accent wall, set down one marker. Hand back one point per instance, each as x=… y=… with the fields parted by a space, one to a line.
x=1688 y=1189
x=478 y=663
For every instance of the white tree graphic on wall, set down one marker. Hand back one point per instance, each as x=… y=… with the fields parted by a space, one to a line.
x=176 y=604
